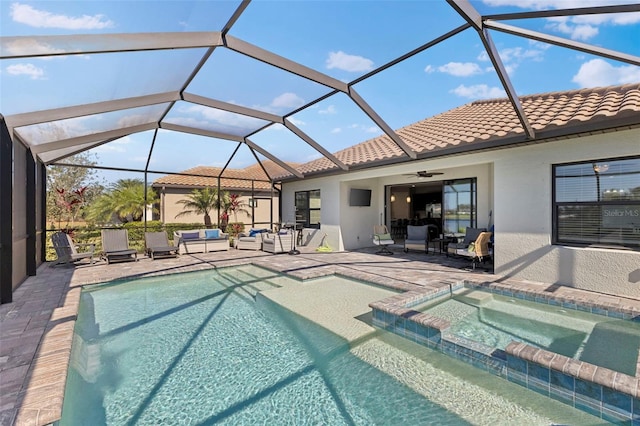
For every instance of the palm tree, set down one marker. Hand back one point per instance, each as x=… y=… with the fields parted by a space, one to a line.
x=125 y=198
x=129 y=198
x=201 y=201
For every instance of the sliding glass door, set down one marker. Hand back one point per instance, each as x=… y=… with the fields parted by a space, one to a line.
x=459 y=203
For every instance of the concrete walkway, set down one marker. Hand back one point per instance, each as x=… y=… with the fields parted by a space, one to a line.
x=37 y=328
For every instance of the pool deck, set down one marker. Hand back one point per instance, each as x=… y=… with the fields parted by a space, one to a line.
x=37 y=327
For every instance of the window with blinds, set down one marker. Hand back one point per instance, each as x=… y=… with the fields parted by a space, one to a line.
x=597 y=203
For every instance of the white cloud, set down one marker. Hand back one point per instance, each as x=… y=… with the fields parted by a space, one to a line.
x=351 y=63
x=598 y=72
x=296 y=122
x=331 y=109
x=27 y=15
x=429 y=69
x=565 y=25
x=118 y=145
x=287 y=100
x=225 y=118
x=512 y=57
x=29 y=70
x=372 y=129
x=460 y=69
x=483 y=56
x=478 y=91
x=132 y=120
x=336 y=130
x=518 y=54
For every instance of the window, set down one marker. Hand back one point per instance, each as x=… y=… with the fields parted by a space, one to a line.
x=308 y=208
x=459 y=199
x=597 y=203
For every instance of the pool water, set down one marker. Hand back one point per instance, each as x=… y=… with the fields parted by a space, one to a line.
x=497 y=320
x=206 y=348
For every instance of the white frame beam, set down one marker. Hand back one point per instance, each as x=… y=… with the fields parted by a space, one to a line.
x=86 y=44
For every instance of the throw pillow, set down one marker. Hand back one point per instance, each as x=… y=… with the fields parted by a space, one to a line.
x=382 y=237
x=212 y=233
x=471 y=248
x=190 y=235
x=254 y=232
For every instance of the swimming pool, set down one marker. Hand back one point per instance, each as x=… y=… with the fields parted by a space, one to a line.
x=216 y=347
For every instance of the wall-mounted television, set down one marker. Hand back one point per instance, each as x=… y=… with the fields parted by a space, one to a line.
x=359 y=197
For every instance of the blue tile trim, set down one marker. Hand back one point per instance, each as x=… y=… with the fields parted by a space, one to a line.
x=550 y=300
x=587 y=396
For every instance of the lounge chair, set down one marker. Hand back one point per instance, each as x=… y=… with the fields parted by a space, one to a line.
x=67 y=250
x=157 y=245
x=115 y=246
x=382 y=238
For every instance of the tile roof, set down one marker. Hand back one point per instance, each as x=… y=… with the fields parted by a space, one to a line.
x=478 y=125
x=232 y=179
x=493 y=123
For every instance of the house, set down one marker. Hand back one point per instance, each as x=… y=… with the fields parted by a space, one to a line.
x=563 y=195
x=260 y=197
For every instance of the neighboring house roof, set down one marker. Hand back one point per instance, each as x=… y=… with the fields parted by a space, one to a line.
x=490 y=124
x=232 y=179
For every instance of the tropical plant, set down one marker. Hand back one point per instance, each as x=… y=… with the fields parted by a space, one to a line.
x=126 y=199
x=236 y=205
x=71 y=187
x=70 y=202
x=201 y=202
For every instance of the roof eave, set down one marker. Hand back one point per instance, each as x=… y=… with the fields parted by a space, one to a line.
x=549 y=134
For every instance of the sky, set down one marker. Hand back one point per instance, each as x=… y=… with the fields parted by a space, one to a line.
x=342 y=39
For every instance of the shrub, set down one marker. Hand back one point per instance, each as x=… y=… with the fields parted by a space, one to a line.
x=234 y=228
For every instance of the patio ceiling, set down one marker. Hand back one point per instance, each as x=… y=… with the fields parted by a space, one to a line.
x=177 y=70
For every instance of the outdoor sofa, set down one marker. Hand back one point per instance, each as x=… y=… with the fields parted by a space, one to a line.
x=201 y=241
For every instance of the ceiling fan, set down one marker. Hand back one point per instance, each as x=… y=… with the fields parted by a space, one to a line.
x=423 y=174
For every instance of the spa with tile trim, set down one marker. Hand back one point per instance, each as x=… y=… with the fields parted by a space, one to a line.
x=589 y=359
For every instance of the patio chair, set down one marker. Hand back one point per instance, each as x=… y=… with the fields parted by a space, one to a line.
x=471 y=234
x=417 y=238
x=67 y=250
x=382 y=238
x=157 y=245
x=479 y=250
x=251 y=240
x=280 y=242
x=115 y=246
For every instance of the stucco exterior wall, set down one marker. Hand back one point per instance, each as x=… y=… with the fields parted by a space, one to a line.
x=349 y=228
x=514 y=193
x=332 y=202
x=523 y=216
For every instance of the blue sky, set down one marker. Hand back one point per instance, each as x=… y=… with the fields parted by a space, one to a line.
x=343 y=39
